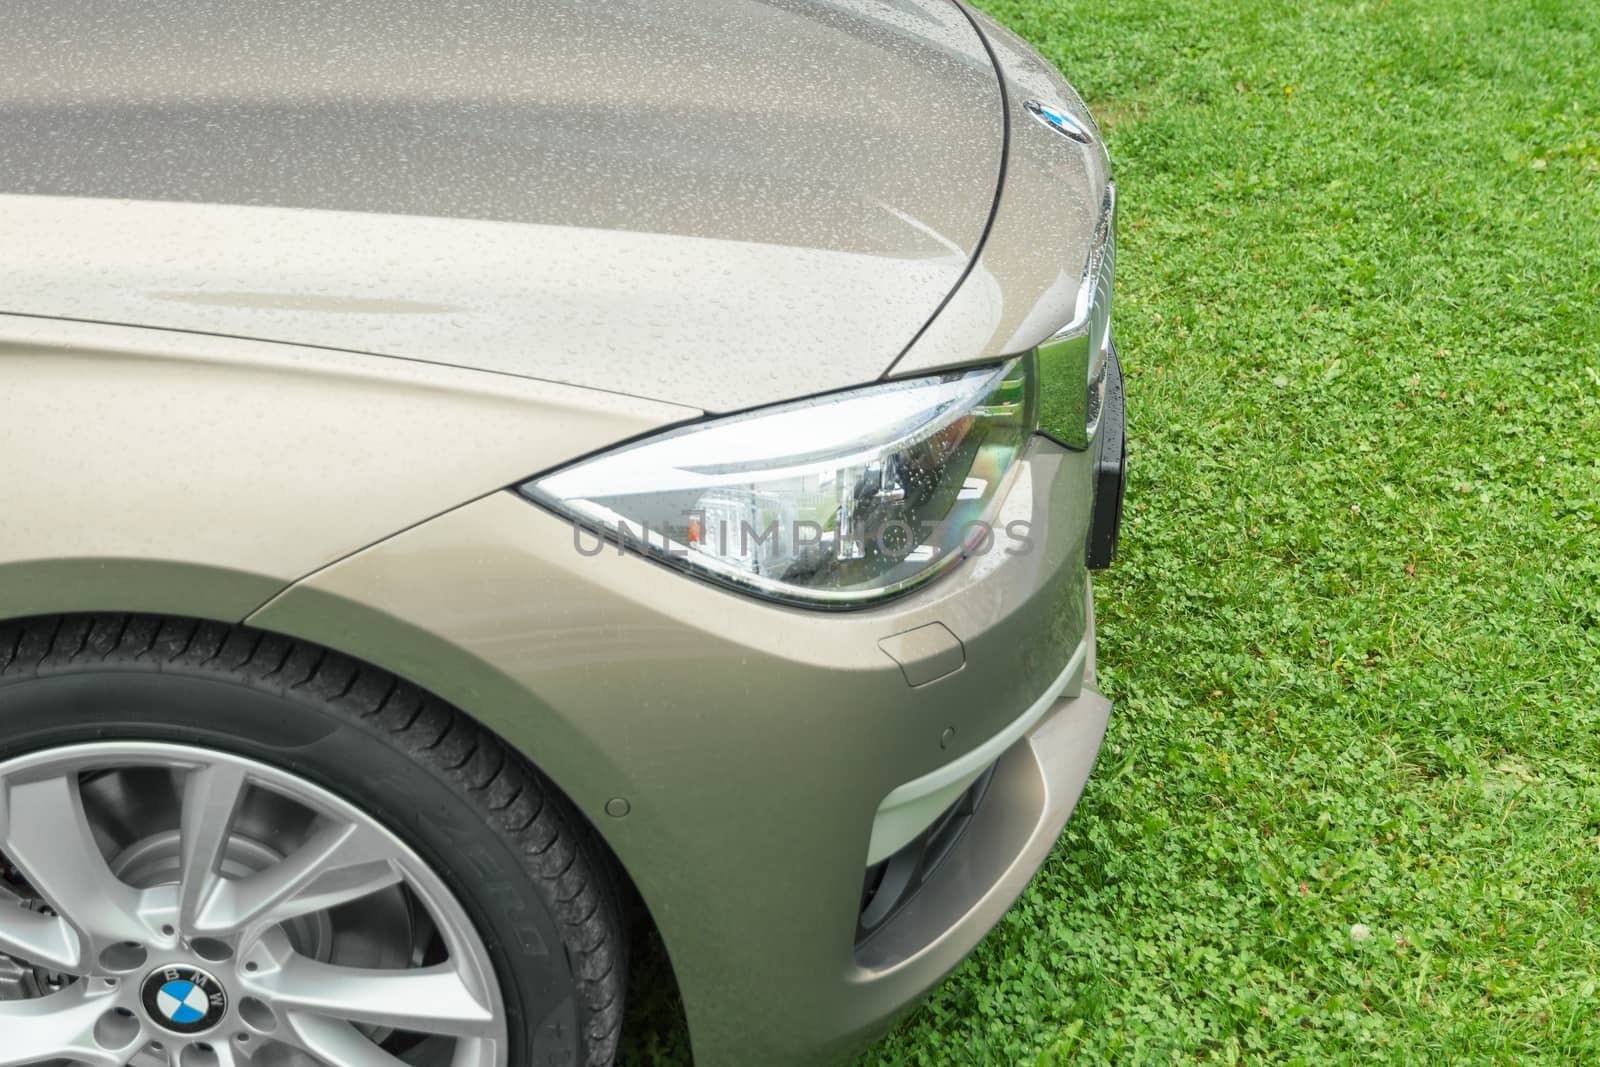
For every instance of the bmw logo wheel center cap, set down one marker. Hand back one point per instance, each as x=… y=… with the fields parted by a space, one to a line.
x=183 y=999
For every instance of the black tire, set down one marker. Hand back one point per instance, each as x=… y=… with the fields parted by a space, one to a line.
x=521 y=860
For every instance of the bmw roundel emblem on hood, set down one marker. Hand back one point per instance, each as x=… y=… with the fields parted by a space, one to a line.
x=185 y=1000
x=1059 y=121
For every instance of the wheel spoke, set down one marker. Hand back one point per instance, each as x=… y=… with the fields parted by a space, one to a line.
x=337 y=864
x=47 y=837
x=428 y=1000
x=334 y=1042
x=211 y=796
x=43 y=940
x=226 y=1054
x=57 y=1027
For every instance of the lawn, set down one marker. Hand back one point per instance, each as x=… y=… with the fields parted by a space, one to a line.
x=1349 y=806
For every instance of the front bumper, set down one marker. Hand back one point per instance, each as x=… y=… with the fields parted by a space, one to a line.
x=753 y=744
x=1035 y=786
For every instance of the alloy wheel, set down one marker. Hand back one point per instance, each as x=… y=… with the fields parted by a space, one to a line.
x=166 y=905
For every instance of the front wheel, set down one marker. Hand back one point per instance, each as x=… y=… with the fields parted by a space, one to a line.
x=222 y=847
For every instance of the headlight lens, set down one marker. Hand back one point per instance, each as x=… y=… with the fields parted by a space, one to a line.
x=833 y=502
x=1080 y=351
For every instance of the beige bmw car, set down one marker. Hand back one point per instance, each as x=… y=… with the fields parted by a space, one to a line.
x=481 y=483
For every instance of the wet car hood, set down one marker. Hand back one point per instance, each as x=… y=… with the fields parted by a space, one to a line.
x=719 y=203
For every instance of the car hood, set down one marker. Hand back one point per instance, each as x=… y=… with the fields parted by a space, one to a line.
x=718 y=204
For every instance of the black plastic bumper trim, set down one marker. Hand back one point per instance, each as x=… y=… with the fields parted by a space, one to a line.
x=1110 y=471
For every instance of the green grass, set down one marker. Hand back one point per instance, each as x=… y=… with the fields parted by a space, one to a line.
x=1354 y=635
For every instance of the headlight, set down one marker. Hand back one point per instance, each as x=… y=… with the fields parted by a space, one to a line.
x=833 y=502
x=1080 y=351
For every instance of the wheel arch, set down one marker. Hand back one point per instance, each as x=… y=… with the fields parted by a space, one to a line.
x=90 y=585
x=643 y=928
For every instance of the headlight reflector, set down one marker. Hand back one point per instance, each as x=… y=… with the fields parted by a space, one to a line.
x=1079 y=351
x=837 y=501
